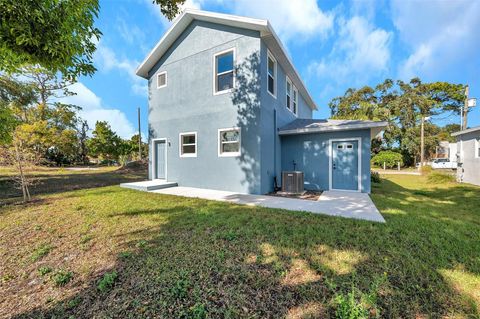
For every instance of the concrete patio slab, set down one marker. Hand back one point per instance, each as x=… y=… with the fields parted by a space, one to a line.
x=333 y=203
x=149 y=185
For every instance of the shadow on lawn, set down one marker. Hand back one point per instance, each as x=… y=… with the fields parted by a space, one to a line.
x=48 y=184
x=231 y=261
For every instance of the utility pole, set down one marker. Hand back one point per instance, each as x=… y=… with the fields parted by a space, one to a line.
x=139 y=137
x=465 y=109
x=422 y=142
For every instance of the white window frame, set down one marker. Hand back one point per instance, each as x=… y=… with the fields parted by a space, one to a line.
x=215 y=71
x=275 y=64
x=477 y=147
x=180 y=144
x=295 y=100
x=288 y=94
x=158 y=79
x=229 y=154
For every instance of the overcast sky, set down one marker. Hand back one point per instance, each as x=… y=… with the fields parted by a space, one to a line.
x=333 y=44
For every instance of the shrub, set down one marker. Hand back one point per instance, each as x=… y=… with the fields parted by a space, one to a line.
x=375 y=177
x=390 y=159
x=107 y=281
x=440 y=178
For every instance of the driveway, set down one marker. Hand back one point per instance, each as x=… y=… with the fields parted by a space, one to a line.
x=333 y=203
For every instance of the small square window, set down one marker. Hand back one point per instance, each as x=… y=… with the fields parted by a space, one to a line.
x=229 y=142
x=161 y=80
x=349 y=146
x=188 y=144
x=340 y=146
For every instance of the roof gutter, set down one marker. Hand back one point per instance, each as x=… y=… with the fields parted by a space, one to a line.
x=333 y=128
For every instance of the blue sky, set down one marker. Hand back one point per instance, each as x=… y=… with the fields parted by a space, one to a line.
x=333 y=44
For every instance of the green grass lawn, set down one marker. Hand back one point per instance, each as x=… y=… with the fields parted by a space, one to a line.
x=115 y=253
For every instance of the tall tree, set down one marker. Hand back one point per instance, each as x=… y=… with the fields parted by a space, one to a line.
x=402 y=104
x=105 y=143
x=169 y=8
x=59 y=35
x=82 y=134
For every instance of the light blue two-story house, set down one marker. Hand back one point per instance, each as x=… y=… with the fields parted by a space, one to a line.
x=229 y=111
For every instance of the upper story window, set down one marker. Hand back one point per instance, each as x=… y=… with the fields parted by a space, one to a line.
x=295 y=101
x=272 y=74
x=288 y=94
x=229 y=142
x=161 y=79
x=224 y=71
x=477 y=147
x=188 y=144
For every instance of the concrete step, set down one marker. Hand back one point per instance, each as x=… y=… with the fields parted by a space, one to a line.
x=149 y=185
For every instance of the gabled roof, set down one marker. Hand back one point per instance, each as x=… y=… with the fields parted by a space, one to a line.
x=305 y=126
x=470 y=130
x=263 y=26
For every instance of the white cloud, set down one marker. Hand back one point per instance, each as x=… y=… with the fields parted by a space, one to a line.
x=361 y=51
x=93 y=110
x=440 y=35
x=291 y=19
x=131 y=33
x=107 y=60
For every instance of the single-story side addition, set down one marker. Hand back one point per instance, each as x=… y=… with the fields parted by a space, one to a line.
x=468 y=155
x=332 y=154
x=228 y=111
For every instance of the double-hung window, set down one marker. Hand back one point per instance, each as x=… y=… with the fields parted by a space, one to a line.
x=295 y=101
x=229 y=142
x=161 y=79
x=224 y=71
x=288 y=94
x=188 y=144
x=272 y=74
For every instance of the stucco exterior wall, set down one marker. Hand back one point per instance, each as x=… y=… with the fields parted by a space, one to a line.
x=188 y=104
x=274 y=115
x=469 y=169
x=311 y=155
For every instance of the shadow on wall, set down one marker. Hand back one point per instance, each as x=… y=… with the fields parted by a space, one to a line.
x=246 y=98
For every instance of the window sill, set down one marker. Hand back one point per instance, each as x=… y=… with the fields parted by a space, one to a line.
x=188 y=155
x=223 y=92
x=229 y=155
x=272 y=95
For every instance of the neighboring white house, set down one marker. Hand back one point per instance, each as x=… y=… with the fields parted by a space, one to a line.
x=448 y=150
x=468 y=154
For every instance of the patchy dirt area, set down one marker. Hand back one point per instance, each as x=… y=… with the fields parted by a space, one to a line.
x=308 y=195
